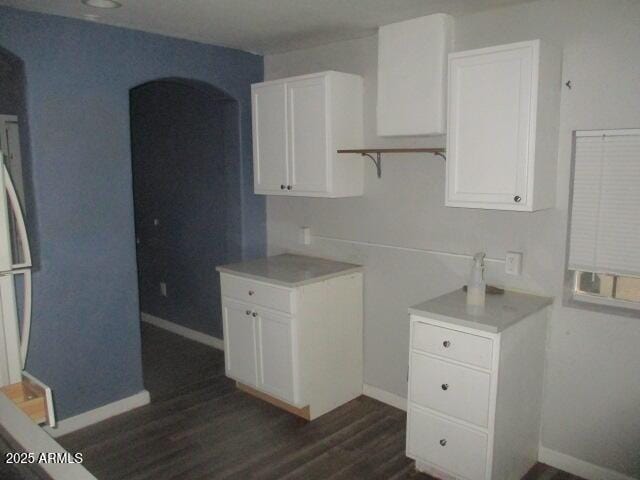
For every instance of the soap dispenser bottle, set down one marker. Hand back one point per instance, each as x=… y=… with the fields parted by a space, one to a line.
x=477 y=286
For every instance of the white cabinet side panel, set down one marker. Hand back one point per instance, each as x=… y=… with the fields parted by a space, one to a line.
x=330 y=333
x=519 y=400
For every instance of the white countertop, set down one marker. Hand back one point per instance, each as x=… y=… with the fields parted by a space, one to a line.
x=290 y=270
x=499 y=313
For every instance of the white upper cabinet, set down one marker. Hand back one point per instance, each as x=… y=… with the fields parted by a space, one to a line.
x=503 y=127
x=270 y=151
x=412 y=66
x=308 y=130
x=299 y=123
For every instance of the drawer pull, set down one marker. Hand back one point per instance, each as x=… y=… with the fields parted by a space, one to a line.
x=251 y=292
x=248 y=312
x=446 y=344
x=443 y=442
x=254 y=314
x=445 y=386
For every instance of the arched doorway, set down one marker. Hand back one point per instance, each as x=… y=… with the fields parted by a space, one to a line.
x=185 y=162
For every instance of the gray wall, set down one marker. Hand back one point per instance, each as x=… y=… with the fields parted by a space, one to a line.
x=592 y=389
x=179 y=155
x=85 y=340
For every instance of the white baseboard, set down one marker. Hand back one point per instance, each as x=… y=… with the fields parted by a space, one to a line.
x=99 y=414
x=578 y=467
x=189 y=333
x=385 y=397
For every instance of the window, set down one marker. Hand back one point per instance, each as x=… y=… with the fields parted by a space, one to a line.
x=610 y=287
x=604 y=236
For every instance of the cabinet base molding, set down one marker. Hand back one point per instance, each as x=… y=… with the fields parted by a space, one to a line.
x=303 y=412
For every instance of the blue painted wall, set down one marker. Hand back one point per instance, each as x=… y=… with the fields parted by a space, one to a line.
x=11 y=83
x=179 y=143
x=85 y=337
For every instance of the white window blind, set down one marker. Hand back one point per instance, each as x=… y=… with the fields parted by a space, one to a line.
x=605 y=218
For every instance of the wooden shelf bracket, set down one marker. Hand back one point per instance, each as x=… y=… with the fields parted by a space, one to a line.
x=377 y=160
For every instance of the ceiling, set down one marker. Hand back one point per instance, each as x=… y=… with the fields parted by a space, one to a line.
x=259 y=26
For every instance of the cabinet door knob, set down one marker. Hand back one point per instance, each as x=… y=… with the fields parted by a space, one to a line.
x=445 y=386
x=282 y=187
x=251 y=292
x=443 y=441
x=248 y=312
x=517 y=199
x=446 y=344
x=254 y=314
x=289 y=187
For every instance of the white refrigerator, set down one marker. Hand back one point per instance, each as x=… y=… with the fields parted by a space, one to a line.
x=15 y=262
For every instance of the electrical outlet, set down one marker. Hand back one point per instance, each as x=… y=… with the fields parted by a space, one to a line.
x=305 y=235
x=513 y=263
x=163 y=289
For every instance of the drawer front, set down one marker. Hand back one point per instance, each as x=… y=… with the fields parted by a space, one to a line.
x=459 y=450
x=453 y=344
x=451 y=389
x=277 y=298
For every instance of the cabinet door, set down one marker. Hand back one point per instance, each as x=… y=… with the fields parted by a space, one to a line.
x=308 y=143
x=492 y=95
x=240 y=341
x=270 y=162
x=276 y=355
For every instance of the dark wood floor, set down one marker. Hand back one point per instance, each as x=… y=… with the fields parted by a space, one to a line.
x=199 y=426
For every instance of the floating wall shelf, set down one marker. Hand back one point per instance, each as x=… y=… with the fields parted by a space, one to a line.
x=366 y=152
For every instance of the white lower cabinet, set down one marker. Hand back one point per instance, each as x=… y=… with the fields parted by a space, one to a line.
x=275 y=347
x=474 y=398
x=451 y=389
x=240 y=335
x=454 y=447
x=298 y=346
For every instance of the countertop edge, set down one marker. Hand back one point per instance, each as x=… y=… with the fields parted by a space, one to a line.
x=476 y=325
x=260 y=278
x=457 y=321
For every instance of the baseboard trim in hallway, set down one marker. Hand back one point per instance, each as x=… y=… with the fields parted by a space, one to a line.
x=189 y=333
x=99 y=414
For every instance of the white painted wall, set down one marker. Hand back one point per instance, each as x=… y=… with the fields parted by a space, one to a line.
x=592 y=391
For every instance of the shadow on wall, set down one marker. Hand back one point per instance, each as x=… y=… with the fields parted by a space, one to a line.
x=185 y=147
x=13 y=101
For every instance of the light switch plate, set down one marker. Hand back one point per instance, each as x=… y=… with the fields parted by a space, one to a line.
x=513 y=263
